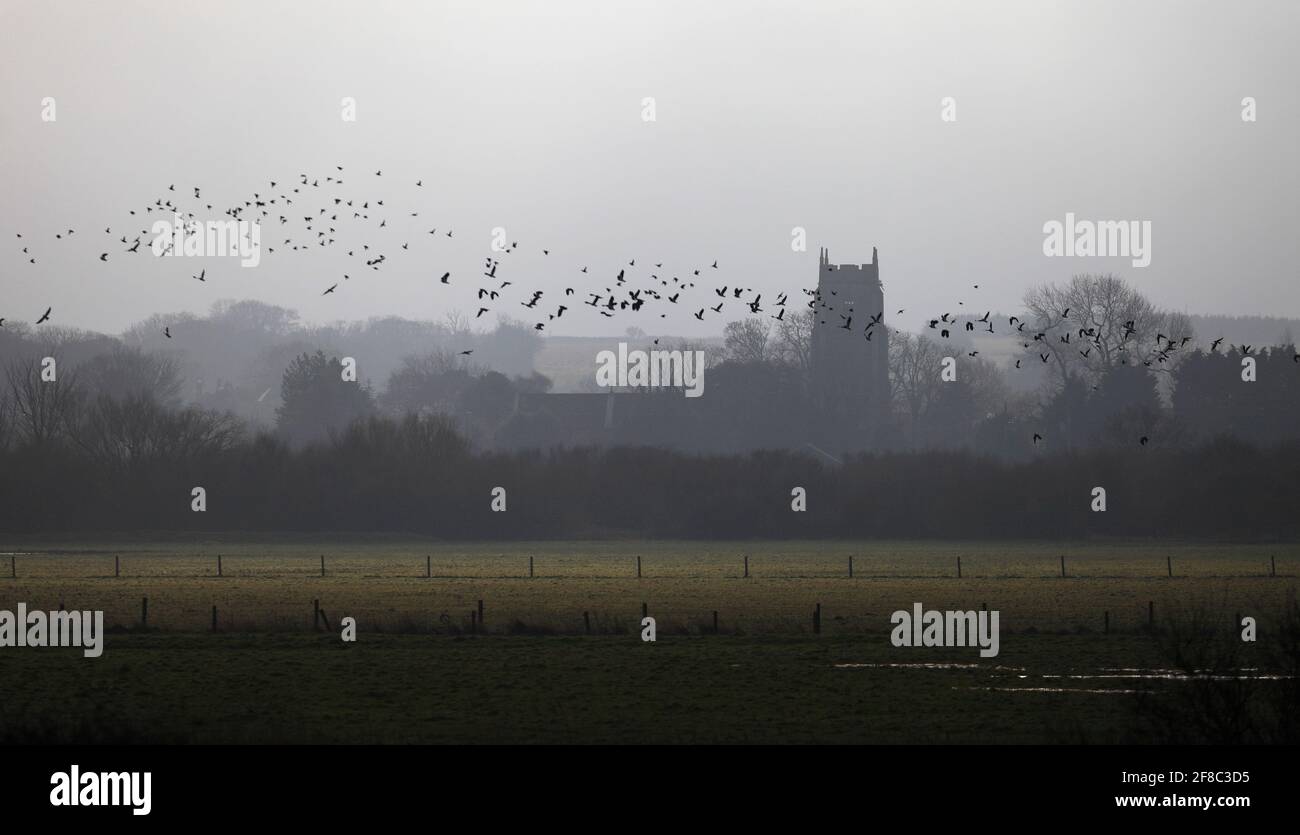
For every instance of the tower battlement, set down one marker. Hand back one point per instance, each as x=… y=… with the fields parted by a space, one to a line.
x=850 y=354
x=870 y=270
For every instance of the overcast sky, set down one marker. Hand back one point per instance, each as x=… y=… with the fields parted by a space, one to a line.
x=769 y=116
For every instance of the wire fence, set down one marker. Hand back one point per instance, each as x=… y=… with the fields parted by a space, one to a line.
x=610 y=596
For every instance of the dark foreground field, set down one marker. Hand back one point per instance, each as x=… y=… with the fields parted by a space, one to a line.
x=280 y=688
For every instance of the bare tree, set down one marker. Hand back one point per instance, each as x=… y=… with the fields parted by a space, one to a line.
x=1098 y=322
x=6 y=422
x=127 y=371
x=42 y=410
x=914 y=366
x=794 y=341
x=457 y=323
x=747 y=340
x=124 y=431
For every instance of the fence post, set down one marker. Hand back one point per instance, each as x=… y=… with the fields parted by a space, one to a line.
x=1169 y=565
x=638 y=567
x=530 y=566
x=315 y=615
x=218 y=565
x=817 y=620
x=1272 y=570
x=715 y=621
x=747 y=565
x=1063 y=565
x=428 y=567
x=322 y=565
x=117 y=565
x=144 y=613
x=850 y=565
x=959 y=568
x=13 y=566
x=480 y=611
x=644 y=611
x=586 y=621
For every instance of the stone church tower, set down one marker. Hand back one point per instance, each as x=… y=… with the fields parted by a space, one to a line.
x=850 y=373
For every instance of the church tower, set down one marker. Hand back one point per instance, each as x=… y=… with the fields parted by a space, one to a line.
x=850 y=373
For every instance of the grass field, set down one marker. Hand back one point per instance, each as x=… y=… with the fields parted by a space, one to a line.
x=532 y=674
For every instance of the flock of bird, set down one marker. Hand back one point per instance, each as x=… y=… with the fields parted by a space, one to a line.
x=312 y=213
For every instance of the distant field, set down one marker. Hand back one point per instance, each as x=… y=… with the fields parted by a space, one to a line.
x=383 y=584
x=416 y=674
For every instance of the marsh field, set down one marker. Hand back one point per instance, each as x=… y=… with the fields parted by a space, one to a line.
x=1092 y=656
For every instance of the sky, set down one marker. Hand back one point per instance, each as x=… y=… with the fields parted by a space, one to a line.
x=530 y=116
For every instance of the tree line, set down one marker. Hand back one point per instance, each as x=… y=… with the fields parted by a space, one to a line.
x=418 y=475
x=1181 y=440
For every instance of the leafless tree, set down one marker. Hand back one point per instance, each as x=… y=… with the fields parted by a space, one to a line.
x=6 y=421
x=914 y=366
x=1109 y=323
x=457 y=323
x=123 y=431
x=747 y=340
x=42 y=410
x=793 y=343
x=125 y=371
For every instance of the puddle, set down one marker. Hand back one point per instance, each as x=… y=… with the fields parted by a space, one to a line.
x=1099 y=691
x=930 y=665
x=1104 y=674
x=1173 y=675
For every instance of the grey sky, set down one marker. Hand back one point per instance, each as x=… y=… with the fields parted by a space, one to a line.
x=769 y=116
